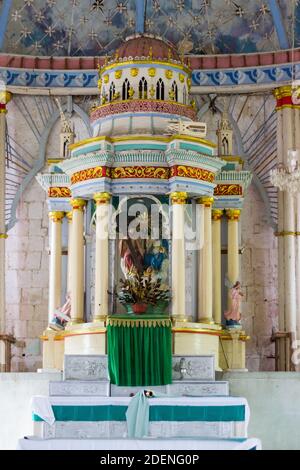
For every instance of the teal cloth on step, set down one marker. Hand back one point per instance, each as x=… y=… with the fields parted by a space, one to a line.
x=137 y=416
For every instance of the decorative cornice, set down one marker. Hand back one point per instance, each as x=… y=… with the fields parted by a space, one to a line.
x=59 y=192
x=228 y=190
x=270 y=68
x=138 y=106
x=183 y=171
x=138 y=172
x=144 y=137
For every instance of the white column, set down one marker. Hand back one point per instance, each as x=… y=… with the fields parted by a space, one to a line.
x=205 y=295
x=178 y=255
x=69 y=216
x=289 y=260
x=55 y=261
x=233 y=265
x=4 y=99
x=216 y=254
x=101 y=256
x=77 y=261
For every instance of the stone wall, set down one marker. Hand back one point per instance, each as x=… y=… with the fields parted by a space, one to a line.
x=27 y=272
x=259 y=281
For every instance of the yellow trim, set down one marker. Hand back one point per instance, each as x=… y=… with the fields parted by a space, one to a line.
x=151 y=62
x=179 y=197
x=69 y=216
x=217 y=214
x=54 y=160
x=283 y=91
x=5 y=97
x=56 y=216
x=3 y=235
x=207 y=201
x=102 y=198
x=232 y=159
x=144 y=137
x=286 y=234
x=233 y=214
x=290 y=106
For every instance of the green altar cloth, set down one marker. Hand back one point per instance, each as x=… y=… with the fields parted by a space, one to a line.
x=139 y=350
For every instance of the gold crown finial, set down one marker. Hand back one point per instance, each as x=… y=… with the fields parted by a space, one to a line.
x=150 y=52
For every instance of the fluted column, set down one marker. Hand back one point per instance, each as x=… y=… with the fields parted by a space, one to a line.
x=55 y=261
x=69 y=216
x=101 y=256
x=205 y=299
x=216 y=255
x=4 y=99
x=233 y=265
x=178 y=200
x=77 y=261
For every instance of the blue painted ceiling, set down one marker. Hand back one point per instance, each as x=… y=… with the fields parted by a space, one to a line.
x=97 y=27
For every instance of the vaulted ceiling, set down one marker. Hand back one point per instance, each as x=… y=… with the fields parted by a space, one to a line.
x=97 y=27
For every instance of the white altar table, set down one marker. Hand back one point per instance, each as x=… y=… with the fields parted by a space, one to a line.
x=139 y=444
x=169 y=417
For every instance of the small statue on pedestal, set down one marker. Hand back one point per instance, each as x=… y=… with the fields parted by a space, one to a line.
x=233 y=315
x=62 y=315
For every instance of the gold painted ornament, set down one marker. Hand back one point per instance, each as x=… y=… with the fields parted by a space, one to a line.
x=106 y=78
x=134 y=72
x=152 y=72
x=118 y=74
x=152 y=91
x=181 y=77
x=131 y=92
x=169 y=74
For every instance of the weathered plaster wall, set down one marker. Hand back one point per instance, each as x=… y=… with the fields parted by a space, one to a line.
x=259 y=281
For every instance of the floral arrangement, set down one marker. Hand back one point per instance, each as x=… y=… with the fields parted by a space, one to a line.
x=141 y=291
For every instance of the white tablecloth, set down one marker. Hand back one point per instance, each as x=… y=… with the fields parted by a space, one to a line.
x=138 y=444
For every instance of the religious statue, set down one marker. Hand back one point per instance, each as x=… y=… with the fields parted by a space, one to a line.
x=62 y=315
x=233 y=315
x=132 y=256
x=156 y=261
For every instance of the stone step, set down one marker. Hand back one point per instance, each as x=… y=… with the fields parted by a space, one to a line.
x=81 y=388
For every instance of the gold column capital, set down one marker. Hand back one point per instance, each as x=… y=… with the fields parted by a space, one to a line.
x=179 y=197
x=233 y=214
x=207 y=201
x=69 y=216
x=56 y=216
x=5 y=97
x=102 y=198
x=78 y=204
x=283 y=91
x=217 y=214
